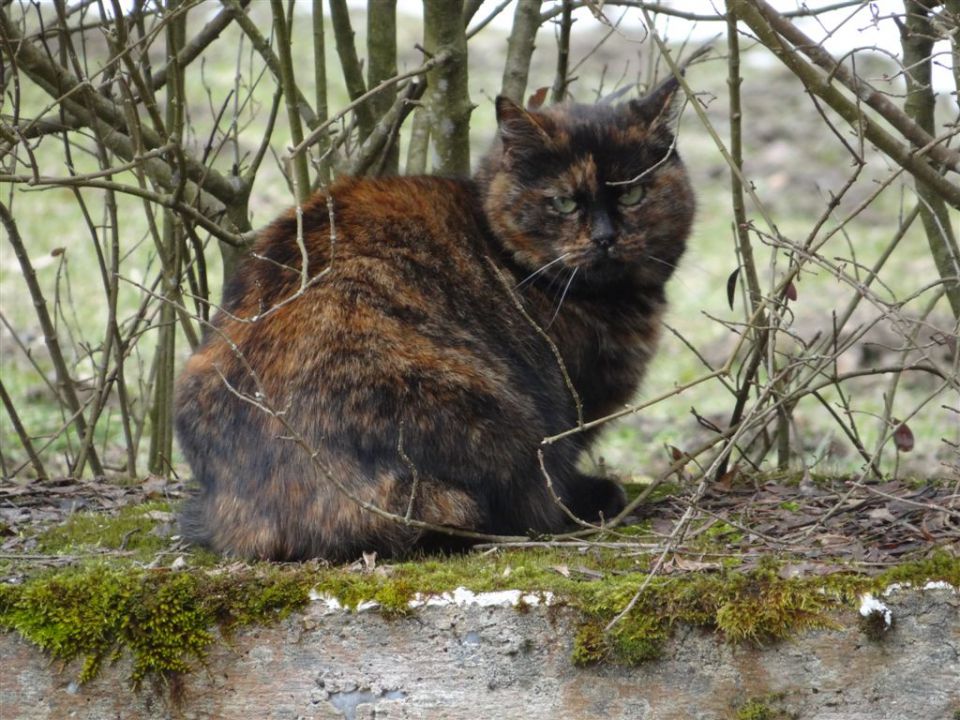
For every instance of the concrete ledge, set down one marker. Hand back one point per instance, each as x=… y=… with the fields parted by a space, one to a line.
x=481 y=659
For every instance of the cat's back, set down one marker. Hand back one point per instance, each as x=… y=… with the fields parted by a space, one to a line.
x=355 y=226
x=398 y=285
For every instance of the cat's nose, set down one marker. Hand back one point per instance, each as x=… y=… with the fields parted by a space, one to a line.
x=601 y=229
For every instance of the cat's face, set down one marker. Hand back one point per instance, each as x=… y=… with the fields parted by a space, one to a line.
x=599 y=189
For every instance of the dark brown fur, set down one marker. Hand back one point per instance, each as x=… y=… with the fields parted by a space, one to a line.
x=407 y=326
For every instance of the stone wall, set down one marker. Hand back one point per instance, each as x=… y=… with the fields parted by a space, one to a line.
x=476 y=660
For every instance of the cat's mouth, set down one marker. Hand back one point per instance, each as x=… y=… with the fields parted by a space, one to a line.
x=598 y=257
x=600 y=266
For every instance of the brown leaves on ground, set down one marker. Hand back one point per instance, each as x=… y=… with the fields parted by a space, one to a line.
x=822 y=525
x=27 y=508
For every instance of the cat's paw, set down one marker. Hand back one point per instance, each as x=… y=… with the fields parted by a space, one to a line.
x=597 y=499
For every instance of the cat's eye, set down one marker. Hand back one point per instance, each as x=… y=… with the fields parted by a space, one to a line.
x=563 y=204
x=632 y=195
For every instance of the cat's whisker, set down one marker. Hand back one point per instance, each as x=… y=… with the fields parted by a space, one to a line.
x=672 y=266
x=688 y=263
x=563 y=296
x=532 y=275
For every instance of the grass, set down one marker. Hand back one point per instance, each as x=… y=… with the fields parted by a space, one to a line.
x=791 y=161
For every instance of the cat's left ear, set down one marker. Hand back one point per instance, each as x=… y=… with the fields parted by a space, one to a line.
x=521 y=128
x=660 y=108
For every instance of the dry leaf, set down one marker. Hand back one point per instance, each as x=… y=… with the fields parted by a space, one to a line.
x=903 y=438
x=589 y=572
x=732 y=286
x=694 y=565
x=881 y=514
x=537 y=99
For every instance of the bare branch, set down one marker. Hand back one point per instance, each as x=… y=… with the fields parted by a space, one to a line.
x=448 y=104
x=350 y=64
x=65 y=383
x=913 y=162
x=526 y=22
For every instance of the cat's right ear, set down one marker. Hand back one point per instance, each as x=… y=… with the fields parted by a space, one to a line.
x=661 y=107
x=520 y=128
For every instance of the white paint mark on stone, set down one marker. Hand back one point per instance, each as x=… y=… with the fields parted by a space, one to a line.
x=869 y=605
x=940 y=585
x=460 y=597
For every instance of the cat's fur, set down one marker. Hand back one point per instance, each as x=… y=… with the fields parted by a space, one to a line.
x=409 y=326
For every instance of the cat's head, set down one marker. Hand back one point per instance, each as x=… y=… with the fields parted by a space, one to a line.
x=599 y=188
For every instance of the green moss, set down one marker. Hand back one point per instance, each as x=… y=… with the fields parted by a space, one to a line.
x=641 y=529
x=762 y=709
x=164 y=619
x=754 y=607
x=754 y=710
x=665 y=490
x=639 y=640
x=939 y=566
x=761 y=607
x=589 y=644
x=130 y=529
x=723 y=532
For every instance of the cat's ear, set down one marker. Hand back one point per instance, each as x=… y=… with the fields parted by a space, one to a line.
x=521 y=128
x=660 y=108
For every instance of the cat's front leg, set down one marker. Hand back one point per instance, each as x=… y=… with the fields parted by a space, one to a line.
x=594 y=499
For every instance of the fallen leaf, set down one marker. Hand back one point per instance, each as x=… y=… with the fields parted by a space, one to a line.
x=903 y=438
x=589 y=572
x=881 y=514
x=809 y=569
x=695 y=565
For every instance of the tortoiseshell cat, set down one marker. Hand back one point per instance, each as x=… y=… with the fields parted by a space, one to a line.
x=405 y=361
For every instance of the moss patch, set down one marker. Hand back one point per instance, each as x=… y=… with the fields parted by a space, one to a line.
x=132 y=529
x=762 y=709
x=164 y=619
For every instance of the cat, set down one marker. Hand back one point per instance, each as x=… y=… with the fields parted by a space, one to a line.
x=412 y=369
